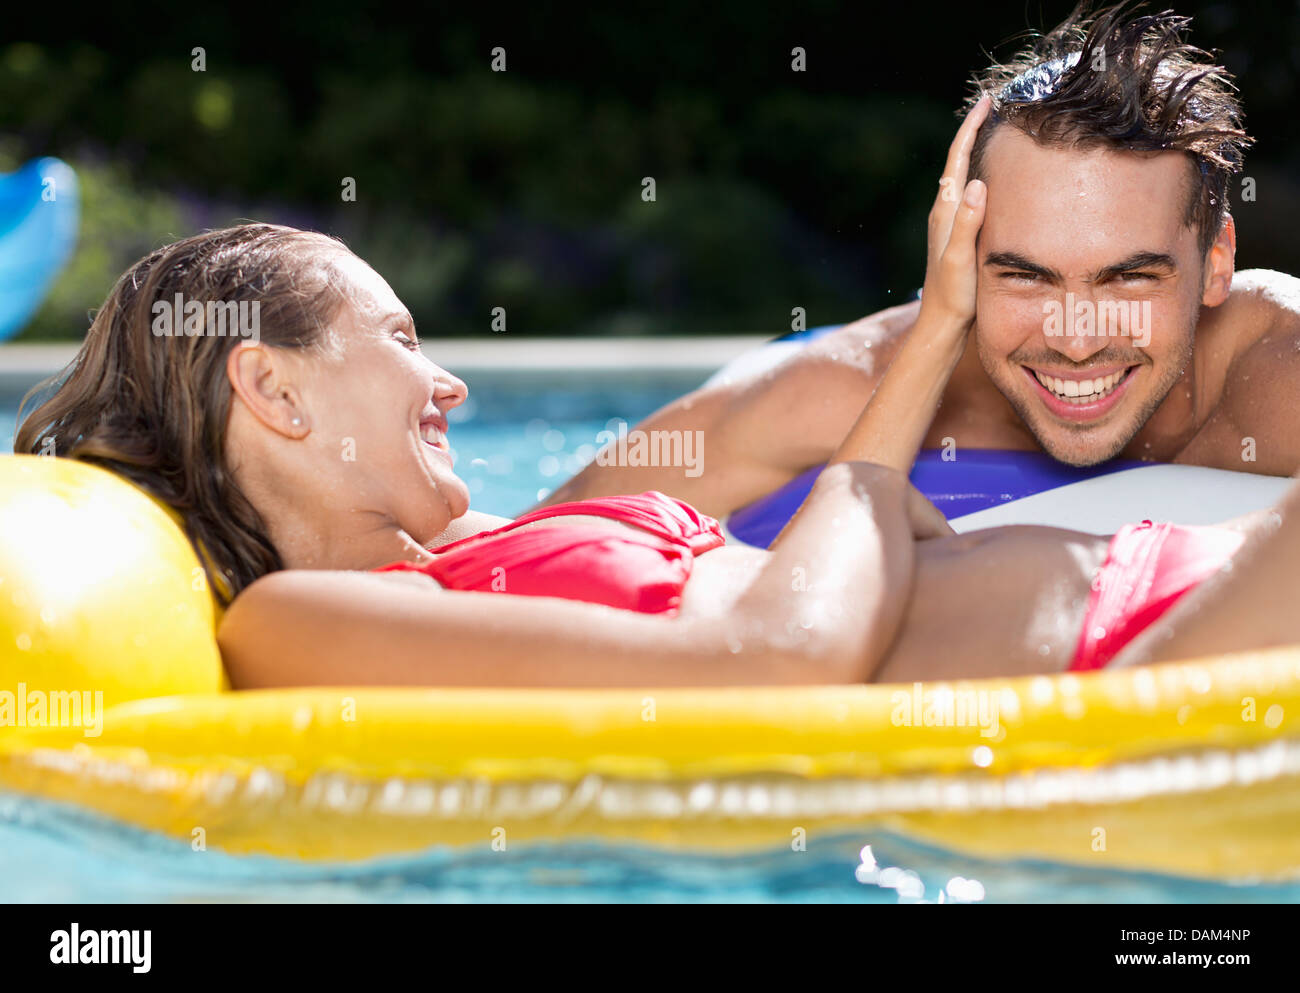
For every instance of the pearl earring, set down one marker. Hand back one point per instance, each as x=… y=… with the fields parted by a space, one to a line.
x=297 y=421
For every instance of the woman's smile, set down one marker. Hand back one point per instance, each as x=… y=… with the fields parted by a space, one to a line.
x=433 y=433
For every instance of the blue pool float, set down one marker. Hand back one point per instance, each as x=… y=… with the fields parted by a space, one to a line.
x=39 y=216
x=966 y=481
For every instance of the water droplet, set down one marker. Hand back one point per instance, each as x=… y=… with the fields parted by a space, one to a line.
x=910 y=886
x=866 y=874
x=965 y=890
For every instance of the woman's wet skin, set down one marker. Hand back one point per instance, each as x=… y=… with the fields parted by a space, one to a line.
x=1017 y=595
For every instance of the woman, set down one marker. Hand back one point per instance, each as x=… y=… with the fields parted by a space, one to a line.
x=311 y=468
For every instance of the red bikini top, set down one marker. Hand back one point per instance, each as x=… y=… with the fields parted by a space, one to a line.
x=643 y=570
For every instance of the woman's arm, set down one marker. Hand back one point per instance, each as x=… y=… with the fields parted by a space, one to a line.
x=317 y=628
x=830 y=624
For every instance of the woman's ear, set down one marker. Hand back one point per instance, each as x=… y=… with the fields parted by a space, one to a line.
x=259 y=378
x=1219 y=264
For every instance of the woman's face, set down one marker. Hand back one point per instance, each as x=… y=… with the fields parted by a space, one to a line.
x=376 y=410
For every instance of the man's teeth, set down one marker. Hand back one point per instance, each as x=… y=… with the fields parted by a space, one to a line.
x=430 y=435
x=1081 y=390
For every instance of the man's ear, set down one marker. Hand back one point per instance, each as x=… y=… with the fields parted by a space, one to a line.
x=259 y=380
x=1219 y=262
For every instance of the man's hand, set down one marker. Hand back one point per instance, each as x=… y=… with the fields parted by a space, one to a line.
x=955 y=219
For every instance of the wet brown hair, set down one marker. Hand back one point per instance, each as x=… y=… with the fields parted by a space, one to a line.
x=154 y=409
x=1131 y=82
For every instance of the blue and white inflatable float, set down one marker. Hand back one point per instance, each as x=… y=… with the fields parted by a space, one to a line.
x=979 y=488
x=39 y=215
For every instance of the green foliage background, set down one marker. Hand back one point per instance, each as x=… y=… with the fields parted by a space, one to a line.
x=522 y=189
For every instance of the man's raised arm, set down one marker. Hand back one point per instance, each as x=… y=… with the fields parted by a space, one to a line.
x=752 y=435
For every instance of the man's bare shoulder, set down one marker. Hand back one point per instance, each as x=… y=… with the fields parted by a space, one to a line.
x=864 y=343
x=1263 y=301
x=1262 y=380
x=1265 y=314
x=1279 y=288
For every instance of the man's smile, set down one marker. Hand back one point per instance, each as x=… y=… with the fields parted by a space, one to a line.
x=1081 y=395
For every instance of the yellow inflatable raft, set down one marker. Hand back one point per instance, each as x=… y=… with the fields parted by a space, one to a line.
x=1191 y=768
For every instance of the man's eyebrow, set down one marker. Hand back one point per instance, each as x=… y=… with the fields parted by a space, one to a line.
x=1138 y=260
x=1014 y=260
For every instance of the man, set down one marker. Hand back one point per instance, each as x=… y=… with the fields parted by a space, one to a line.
x=1109 y=323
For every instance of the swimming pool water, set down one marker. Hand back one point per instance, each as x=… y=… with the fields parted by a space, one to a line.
x=518 y=437
x=55 y=853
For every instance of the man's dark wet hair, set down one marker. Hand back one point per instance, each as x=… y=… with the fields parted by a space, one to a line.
x=1126 y=81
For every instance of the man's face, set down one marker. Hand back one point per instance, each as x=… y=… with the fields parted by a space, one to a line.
x=1090 y=284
